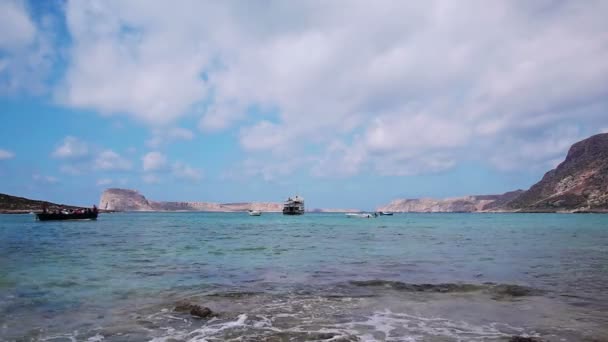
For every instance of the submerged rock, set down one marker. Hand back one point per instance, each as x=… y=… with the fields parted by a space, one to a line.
x=509 y=290
x=524 y=339
x=194 y=310
x=397 y=285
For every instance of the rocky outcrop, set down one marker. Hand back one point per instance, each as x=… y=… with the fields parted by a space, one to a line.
x=580 y=182
x=124 y=200
x=132 y=200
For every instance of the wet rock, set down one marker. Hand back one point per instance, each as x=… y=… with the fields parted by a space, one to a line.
x=524 y=339
x=194 y=310
x=397 y=285
x=509 y=291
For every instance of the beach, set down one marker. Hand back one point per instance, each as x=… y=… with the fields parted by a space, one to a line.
x=316 y=277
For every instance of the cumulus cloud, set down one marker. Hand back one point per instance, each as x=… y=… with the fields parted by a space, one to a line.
x=186 y=172
x=154 y=161
x=44 y=179
x=104 y=181
x=151 y=179
x=109 y=160
x=26 y=53
x=5 y=154
x=393 y=88
x=162 y=136
x=71 y=148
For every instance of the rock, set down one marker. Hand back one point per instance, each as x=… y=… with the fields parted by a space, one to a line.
x=524 y=339
x=504 y=291
x=123 y=200
x=194 y=310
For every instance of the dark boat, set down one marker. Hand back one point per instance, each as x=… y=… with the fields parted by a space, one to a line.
x=294 y=206
x=84 y=215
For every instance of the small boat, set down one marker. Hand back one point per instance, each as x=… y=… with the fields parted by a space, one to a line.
x=386 y=213
x=67 y=214
x=254 y=213
x=361 y=215
x=62 y=216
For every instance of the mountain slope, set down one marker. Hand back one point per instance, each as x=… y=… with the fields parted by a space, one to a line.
x=580 y=182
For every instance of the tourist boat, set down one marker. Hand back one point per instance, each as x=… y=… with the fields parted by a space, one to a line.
x=294 y=206
x=386 y=213
x=255 y=213
x=67 y=215
x=361 y=215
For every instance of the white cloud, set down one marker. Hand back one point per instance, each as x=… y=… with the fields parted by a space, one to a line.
x=151 y=179
x=72 y=169
x=26 y=52
x=154 y=161
x=15 y=24
x=110 y=160
x=44 y=179
x=71 y=148
x=104 y=181
x=186 y=172
x=162 y=136
x=5 y=154
x=393 y=87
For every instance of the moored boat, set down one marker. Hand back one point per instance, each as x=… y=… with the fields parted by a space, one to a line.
x=361 y=215
x=254 y=213
x=386 y=213
x=64 y=215
x=294 y=206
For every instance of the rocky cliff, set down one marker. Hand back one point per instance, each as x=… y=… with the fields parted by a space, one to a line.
x=132 y=200
x=579 y=183
x=124 y=200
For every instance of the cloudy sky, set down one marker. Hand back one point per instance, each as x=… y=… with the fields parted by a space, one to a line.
x=348 y=103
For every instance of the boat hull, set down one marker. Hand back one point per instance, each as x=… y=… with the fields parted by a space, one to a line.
x=65 y=217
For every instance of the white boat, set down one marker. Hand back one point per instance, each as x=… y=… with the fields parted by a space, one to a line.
x=361 y=215
x=255 y=213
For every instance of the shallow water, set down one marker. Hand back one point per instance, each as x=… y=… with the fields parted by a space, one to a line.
x=282 y=278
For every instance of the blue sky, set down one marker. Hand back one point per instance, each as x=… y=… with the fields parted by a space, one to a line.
x=347 y=104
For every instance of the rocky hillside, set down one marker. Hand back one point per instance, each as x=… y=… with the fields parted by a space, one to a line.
x=13 y=204
x=132 y=200
x=579 y=183
x=448 y=205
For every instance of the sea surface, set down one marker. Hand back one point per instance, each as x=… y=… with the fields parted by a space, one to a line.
x=316 y=277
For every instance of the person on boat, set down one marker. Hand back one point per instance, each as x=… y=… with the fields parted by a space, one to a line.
x=94 y=208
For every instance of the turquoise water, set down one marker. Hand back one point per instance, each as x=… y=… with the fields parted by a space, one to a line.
x=285 y=278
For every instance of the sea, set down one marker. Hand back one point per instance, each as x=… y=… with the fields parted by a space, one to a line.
x=315 y=277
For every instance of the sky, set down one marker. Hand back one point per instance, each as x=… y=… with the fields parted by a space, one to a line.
x=350 y=104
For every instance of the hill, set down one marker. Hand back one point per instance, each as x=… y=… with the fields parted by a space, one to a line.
x=578 y=184
x=15 y=205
